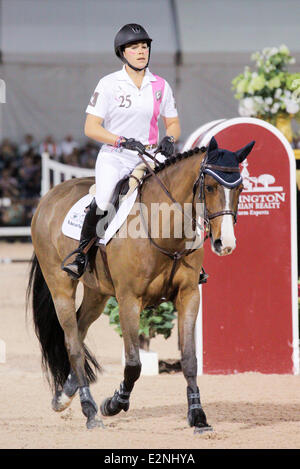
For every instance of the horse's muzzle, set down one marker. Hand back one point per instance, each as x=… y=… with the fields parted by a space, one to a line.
x=220 y=250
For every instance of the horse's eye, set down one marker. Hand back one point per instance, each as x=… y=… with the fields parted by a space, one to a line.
x=210 y=189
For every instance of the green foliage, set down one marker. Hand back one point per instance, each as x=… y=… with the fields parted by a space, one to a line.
x=270 y=89
x=153 y=320
x=112 y=310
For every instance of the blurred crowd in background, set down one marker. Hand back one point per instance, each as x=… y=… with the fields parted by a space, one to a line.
x=20 y=172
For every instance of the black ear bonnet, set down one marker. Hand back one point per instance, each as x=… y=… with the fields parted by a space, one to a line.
x=227 y=159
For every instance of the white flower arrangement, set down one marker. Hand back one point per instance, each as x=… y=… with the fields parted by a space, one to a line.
x=271 y=90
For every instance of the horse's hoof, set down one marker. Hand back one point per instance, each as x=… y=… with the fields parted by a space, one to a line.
x=203 y=429
x=61 y=401
x=105 y=409
x=197 y=418
x=94 y=423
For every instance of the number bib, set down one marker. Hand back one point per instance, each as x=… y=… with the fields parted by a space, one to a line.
x=131 y=111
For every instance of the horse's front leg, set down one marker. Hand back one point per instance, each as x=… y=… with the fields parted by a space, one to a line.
x=129 y=312
x=187 y=305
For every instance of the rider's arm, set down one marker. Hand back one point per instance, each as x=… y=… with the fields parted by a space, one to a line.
x=172 y=125
x=93 y=128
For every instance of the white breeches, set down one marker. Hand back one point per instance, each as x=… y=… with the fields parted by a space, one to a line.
x=111 y=167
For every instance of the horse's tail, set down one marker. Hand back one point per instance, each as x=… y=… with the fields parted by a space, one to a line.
x=55 y=360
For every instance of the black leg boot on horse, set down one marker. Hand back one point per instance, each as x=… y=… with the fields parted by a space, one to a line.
x=88 y=236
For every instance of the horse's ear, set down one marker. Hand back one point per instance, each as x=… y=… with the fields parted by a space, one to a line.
x=212 y=145
x=244 y=152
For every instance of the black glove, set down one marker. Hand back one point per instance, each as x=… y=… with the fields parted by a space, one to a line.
x=166 y=147
x=132 y=144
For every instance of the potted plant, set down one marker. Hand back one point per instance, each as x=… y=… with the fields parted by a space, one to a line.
x=270 y=92
x=153 y=321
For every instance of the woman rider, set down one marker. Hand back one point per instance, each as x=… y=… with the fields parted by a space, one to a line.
x=123 y=114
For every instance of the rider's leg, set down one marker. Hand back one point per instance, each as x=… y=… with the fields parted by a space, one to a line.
x=108 y=173
x=88 y=232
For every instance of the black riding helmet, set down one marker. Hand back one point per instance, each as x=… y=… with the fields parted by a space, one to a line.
x=129 y=34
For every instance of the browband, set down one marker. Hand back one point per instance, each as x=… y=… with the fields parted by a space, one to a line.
x=223 y=169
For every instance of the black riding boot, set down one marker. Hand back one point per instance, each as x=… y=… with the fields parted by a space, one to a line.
x=76 y=268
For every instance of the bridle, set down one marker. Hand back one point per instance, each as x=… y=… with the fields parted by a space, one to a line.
x=176 y=256
x=200 y=182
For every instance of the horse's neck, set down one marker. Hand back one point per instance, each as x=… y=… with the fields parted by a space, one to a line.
x=180 y=178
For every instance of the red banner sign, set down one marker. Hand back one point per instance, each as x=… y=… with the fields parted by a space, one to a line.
x=249 y=315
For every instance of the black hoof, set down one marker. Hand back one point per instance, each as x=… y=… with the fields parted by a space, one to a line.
x=106 y=410
x=94 y=423
x=203 y=429
x=197 y=418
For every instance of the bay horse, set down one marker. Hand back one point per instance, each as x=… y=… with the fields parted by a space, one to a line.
x=136 y=271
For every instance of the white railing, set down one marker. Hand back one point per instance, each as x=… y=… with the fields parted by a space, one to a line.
x=61 y=172
x=53 y=173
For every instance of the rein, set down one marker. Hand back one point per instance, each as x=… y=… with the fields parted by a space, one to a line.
x=166 y=191
x=177 y=255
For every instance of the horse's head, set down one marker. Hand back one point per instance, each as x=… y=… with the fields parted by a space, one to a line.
x=220 y=187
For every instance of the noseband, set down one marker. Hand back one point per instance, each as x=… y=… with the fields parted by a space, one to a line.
x=200 y=182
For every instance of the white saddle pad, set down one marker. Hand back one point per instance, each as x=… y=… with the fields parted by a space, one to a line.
x=73 y=221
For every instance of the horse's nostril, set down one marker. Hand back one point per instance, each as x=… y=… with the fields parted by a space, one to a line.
x=217 y=245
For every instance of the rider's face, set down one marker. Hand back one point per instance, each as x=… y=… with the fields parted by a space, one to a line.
x=137 y=54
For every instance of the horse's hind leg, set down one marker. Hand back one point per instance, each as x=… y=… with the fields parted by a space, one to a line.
x=129 y=318
x=63 y=397
x=63 y=291
x=187 y=305
x=90 y=309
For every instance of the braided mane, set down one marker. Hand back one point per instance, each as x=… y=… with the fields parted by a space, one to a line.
x=178 y=157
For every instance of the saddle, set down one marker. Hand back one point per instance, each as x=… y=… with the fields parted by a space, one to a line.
x=124 y=188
